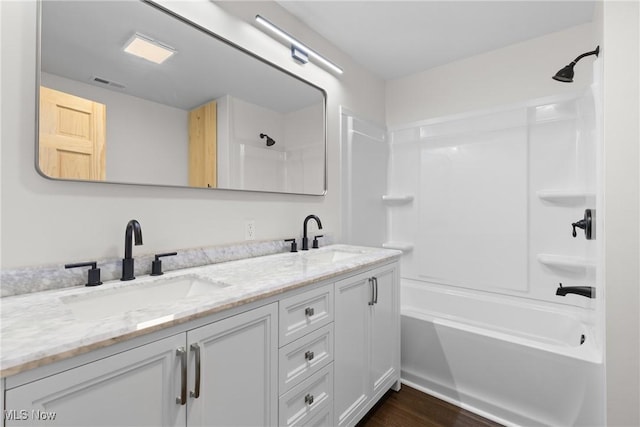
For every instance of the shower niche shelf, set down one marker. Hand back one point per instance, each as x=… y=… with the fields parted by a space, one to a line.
x=564 y=196
x=566 y=262
x=396 y=199
x=401 y=246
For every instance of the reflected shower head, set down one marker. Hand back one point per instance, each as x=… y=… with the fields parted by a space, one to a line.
x=566 y=74
x=270 y=141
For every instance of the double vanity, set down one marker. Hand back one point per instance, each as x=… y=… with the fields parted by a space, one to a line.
x=309 y=338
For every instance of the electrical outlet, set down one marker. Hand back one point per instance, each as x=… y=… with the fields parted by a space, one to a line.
x=250 y=230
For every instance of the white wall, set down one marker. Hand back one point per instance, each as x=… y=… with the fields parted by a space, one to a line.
x=147 y=142
x=504 y=76
x=47 y=221
x=621 y=50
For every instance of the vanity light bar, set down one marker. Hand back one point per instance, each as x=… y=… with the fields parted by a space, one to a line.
x=298 y=45
x=148 y=48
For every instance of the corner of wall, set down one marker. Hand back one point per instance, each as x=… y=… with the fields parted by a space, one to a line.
x=621 y=58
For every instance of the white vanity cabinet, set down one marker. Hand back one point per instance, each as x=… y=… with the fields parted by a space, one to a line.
x=367 y=341
x=143 y=386
x=137 y=387
x=238 y=371
x=316 y=355
x=306 y=357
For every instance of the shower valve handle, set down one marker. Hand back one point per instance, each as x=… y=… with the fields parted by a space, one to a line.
x=580 y=224
x=587 y=224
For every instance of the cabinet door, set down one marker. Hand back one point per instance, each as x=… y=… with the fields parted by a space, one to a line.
x=351 y=331
x=385 y=331
x=238 y=370
x=137 y=387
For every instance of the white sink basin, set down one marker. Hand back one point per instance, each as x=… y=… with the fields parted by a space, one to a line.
x=328 y=256
x=104 y=303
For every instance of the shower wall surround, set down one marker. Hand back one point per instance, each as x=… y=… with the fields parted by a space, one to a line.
x=295 y=163
x=494 y=196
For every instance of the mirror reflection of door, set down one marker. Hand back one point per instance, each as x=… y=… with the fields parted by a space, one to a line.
x=203 y=146
x=72 y=136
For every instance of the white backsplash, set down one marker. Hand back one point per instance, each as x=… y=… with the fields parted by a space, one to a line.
x=43 y=278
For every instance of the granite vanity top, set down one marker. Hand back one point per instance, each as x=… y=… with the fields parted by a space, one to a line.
x=41 y=328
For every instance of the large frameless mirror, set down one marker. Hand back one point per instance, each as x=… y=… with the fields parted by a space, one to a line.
x=130 y=93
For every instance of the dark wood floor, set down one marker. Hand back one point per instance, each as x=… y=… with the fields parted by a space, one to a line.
x=412 y=408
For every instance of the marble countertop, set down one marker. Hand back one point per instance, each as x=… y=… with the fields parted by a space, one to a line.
x=68 y=331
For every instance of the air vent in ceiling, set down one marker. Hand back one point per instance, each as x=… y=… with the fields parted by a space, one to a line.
x=105 y=82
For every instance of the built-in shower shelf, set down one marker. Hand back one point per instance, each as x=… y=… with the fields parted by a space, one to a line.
x=564 y=196
x=566 y=261
x=393 y=199
x=401 y=246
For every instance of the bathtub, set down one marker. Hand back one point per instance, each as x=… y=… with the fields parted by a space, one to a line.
x=512 y=361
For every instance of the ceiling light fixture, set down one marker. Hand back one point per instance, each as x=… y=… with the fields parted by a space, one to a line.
x=298 y=49
x=148 y=48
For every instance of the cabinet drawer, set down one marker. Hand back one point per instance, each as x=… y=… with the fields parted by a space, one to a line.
x=323 y=419
x=306 y=312
x=313 y=396
x=305 y=356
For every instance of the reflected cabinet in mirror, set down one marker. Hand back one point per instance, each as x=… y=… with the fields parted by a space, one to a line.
x=130 y=93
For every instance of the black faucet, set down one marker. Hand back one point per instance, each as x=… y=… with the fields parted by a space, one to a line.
x=585 y=291
x=305 y=240
x=133 y=230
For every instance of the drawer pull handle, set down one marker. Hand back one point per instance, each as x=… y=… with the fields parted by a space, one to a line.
x=308 y=399
x=182 y=353
x=373 y=291
x=309 y=355
x=309 y=311
x=375 y=284
x=196 y=394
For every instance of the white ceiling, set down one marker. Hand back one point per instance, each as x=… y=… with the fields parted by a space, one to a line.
x=398 y=38
x=390 y=38
x=85 y=39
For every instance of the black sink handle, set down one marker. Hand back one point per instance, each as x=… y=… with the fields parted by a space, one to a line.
x=156 y=265
x=315 y=241
x=94 y=272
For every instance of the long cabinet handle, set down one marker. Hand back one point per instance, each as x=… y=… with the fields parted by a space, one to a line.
x=196 y=394
x=371 y=301
x=182 y=353
x=375 y=284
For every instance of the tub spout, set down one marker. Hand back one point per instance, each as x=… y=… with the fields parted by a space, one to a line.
x=585 y=291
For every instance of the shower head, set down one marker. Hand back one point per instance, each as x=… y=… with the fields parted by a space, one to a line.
x=566 y=74
x=270 y=141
